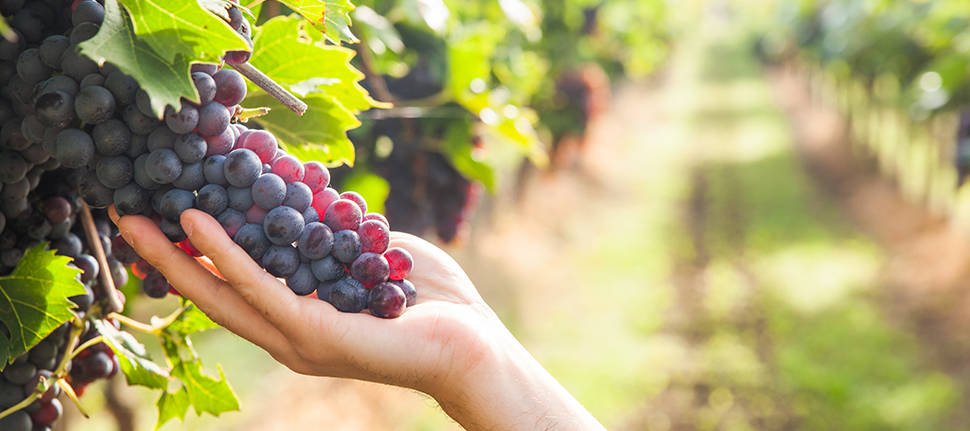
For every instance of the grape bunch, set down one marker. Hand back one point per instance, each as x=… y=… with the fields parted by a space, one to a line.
x=20 y=379
x=70 y=113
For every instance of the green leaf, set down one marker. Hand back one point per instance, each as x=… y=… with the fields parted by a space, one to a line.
x=458 y=148
x=205 y=393
x=320 y=134
x=331 y=17
x=192 y=320
x=307 y=67
x=172 y=406
x=34 y=300
x=183 y=27
x=139 y=369
x=164 y=81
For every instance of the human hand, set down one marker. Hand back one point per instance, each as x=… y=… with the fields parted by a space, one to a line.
x=450 y=345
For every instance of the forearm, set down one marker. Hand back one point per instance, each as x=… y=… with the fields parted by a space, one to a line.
x=509 y=390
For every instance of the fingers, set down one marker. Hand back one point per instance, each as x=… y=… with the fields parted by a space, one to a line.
x=274 y=301
x=210 y=293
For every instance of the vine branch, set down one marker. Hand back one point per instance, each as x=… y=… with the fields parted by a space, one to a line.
x=259 y=78
x=107 y=285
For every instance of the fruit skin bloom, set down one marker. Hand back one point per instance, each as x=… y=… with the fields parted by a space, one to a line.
x=449 y=345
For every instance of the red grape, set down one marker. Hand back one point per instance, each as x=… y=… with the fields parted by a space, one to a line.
x=400 y=263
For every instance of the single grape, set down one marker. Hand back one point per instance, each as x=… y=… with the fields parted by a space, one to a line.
x=190 y=147
x=174 y=202
x=400 y=262
x=374 y=236
x=91 y=80
x=220 y=144
x=83 y=32
x=144 y=103
x=183 y=121
x=57 y=83
x=343 y=214
x=87 y=11
x=323 y=199
x=256 y=215
x=207 y=68
x=213 y=169
x=163 y=166
x=281 y=260
x=240 y=199
x=94 y=105
x=231 y=221
x=346 y=245
x=138 y=122
x=122 y=251
x=261 y=142
x=55 y=109
x=31 y=68
x=115 y=172
x=310 y=215
x=155 y=285
x=386 y=300
x=370 y=269
x=230 y=87
x=123 y=87
x=131 y=199
x=316 y=241
x=302 y=282
x=73 y=148
x=112 y=137
x=162 y=137
x=52 y=48
x=18 y=420
x=191 y=178
x=316 y=175
x=213 y=119
x=56 y=208
x=356 y=198
x=269 y=191
x=205 y=85
x=48 y=413
x=137 y=147
x=94 y=193
x=213 y=199
x=283 y=225
x=242 y=167
x=288 y=168
x=252 y=240
x=348 y=295
x=69 y=245
x=172 y=231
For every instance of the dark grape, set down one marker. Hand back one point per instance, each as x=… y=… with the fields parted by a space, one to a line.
x=328 y=269
x=88 y=265
x=83 y=32
x=174 y=202
x=172 y=231
x=205 y=85
x=213 y=169
x=11 y=48
x=213 y=119
x=140 y=174
x=73 y=148
x=409 y=291
x=48 y=412
x=87 y=11
x=252 y=239
x=220 y=144
x=115 y=172
x=93 y=192
x=31 y=68
x=112 y=137
x=316 y=241
x=310 y=215
x=213 y=199
x=92 y=80
x=52 y=48
x=123 y=87
x=15 y=191
x=242 y=167
x=76 y=65
x=122 y=251
x=283 y=225
x=138 y=122
x=298 y=196
x=94 y=105
x=230 y=87
x=55 y=109
x=231 y=221
x=386 y=300
x=163 y=166
x=131 y=199
x=20 y=374
x=183 y=121
x=281 y=260
x=137 y=147
x=162 y=137
x=370 y=269
x=16 y=421
x=240 y=199
x=302 y=282
x=269 y=191
x=191 y=178
x=207 y=68
x=56 y=83
x=56 y=208
x=348 y=295
x=346 y=245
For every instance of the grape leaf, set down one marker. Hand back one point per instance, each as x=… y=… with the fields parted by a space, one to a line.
x=320 y=134
x=164 y=81
x=307 y=67
x=176 y=27
x=33 y=300
x=205 y=393
x=135 y=363
x=172 y=406
x=192 y=320
x=331 y=17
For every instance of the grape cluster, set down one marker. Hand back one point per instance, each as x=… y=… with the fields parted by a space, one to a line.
x=97 y=122
x=20 y=379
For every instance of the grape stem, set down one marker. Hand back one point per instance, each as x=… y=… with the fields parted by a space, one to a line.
x=271 y=87
x=156 y=327
x=107 y=286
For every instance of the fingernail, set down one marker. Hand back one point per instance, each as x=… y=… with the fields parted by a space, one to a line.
x=126 y=234
x=187 y=227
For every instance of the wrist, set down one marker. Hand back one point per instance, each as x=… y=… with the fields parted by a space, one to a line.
x=501 y=386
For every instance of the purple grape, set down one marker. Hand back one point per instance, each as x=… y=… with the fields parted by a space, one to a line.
x=213 y=119
x=163 y=166
x=302 y=282
x=231 y=221
x=213 y=169
x=386 y=300
x=370 y=269
x=213 y=199
x=281 y=260
x=328 y=269
x=283 y=225
x=183 y=121
x=346 y=245
x=400 y=263
x=252 y=239
x=155 y=285
x=316 y=242
x=408 y=288
x=343 y=214
x=269 y=191
x=348 y=295
x=240 y=199
x=174 y=202
x=374 y=236
x=190 y=147
x=242 y=167
x=298 y=196
x=230 y=87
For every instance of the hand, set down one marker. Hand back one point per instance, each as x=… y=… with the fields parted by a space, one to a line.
x=450 y=345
